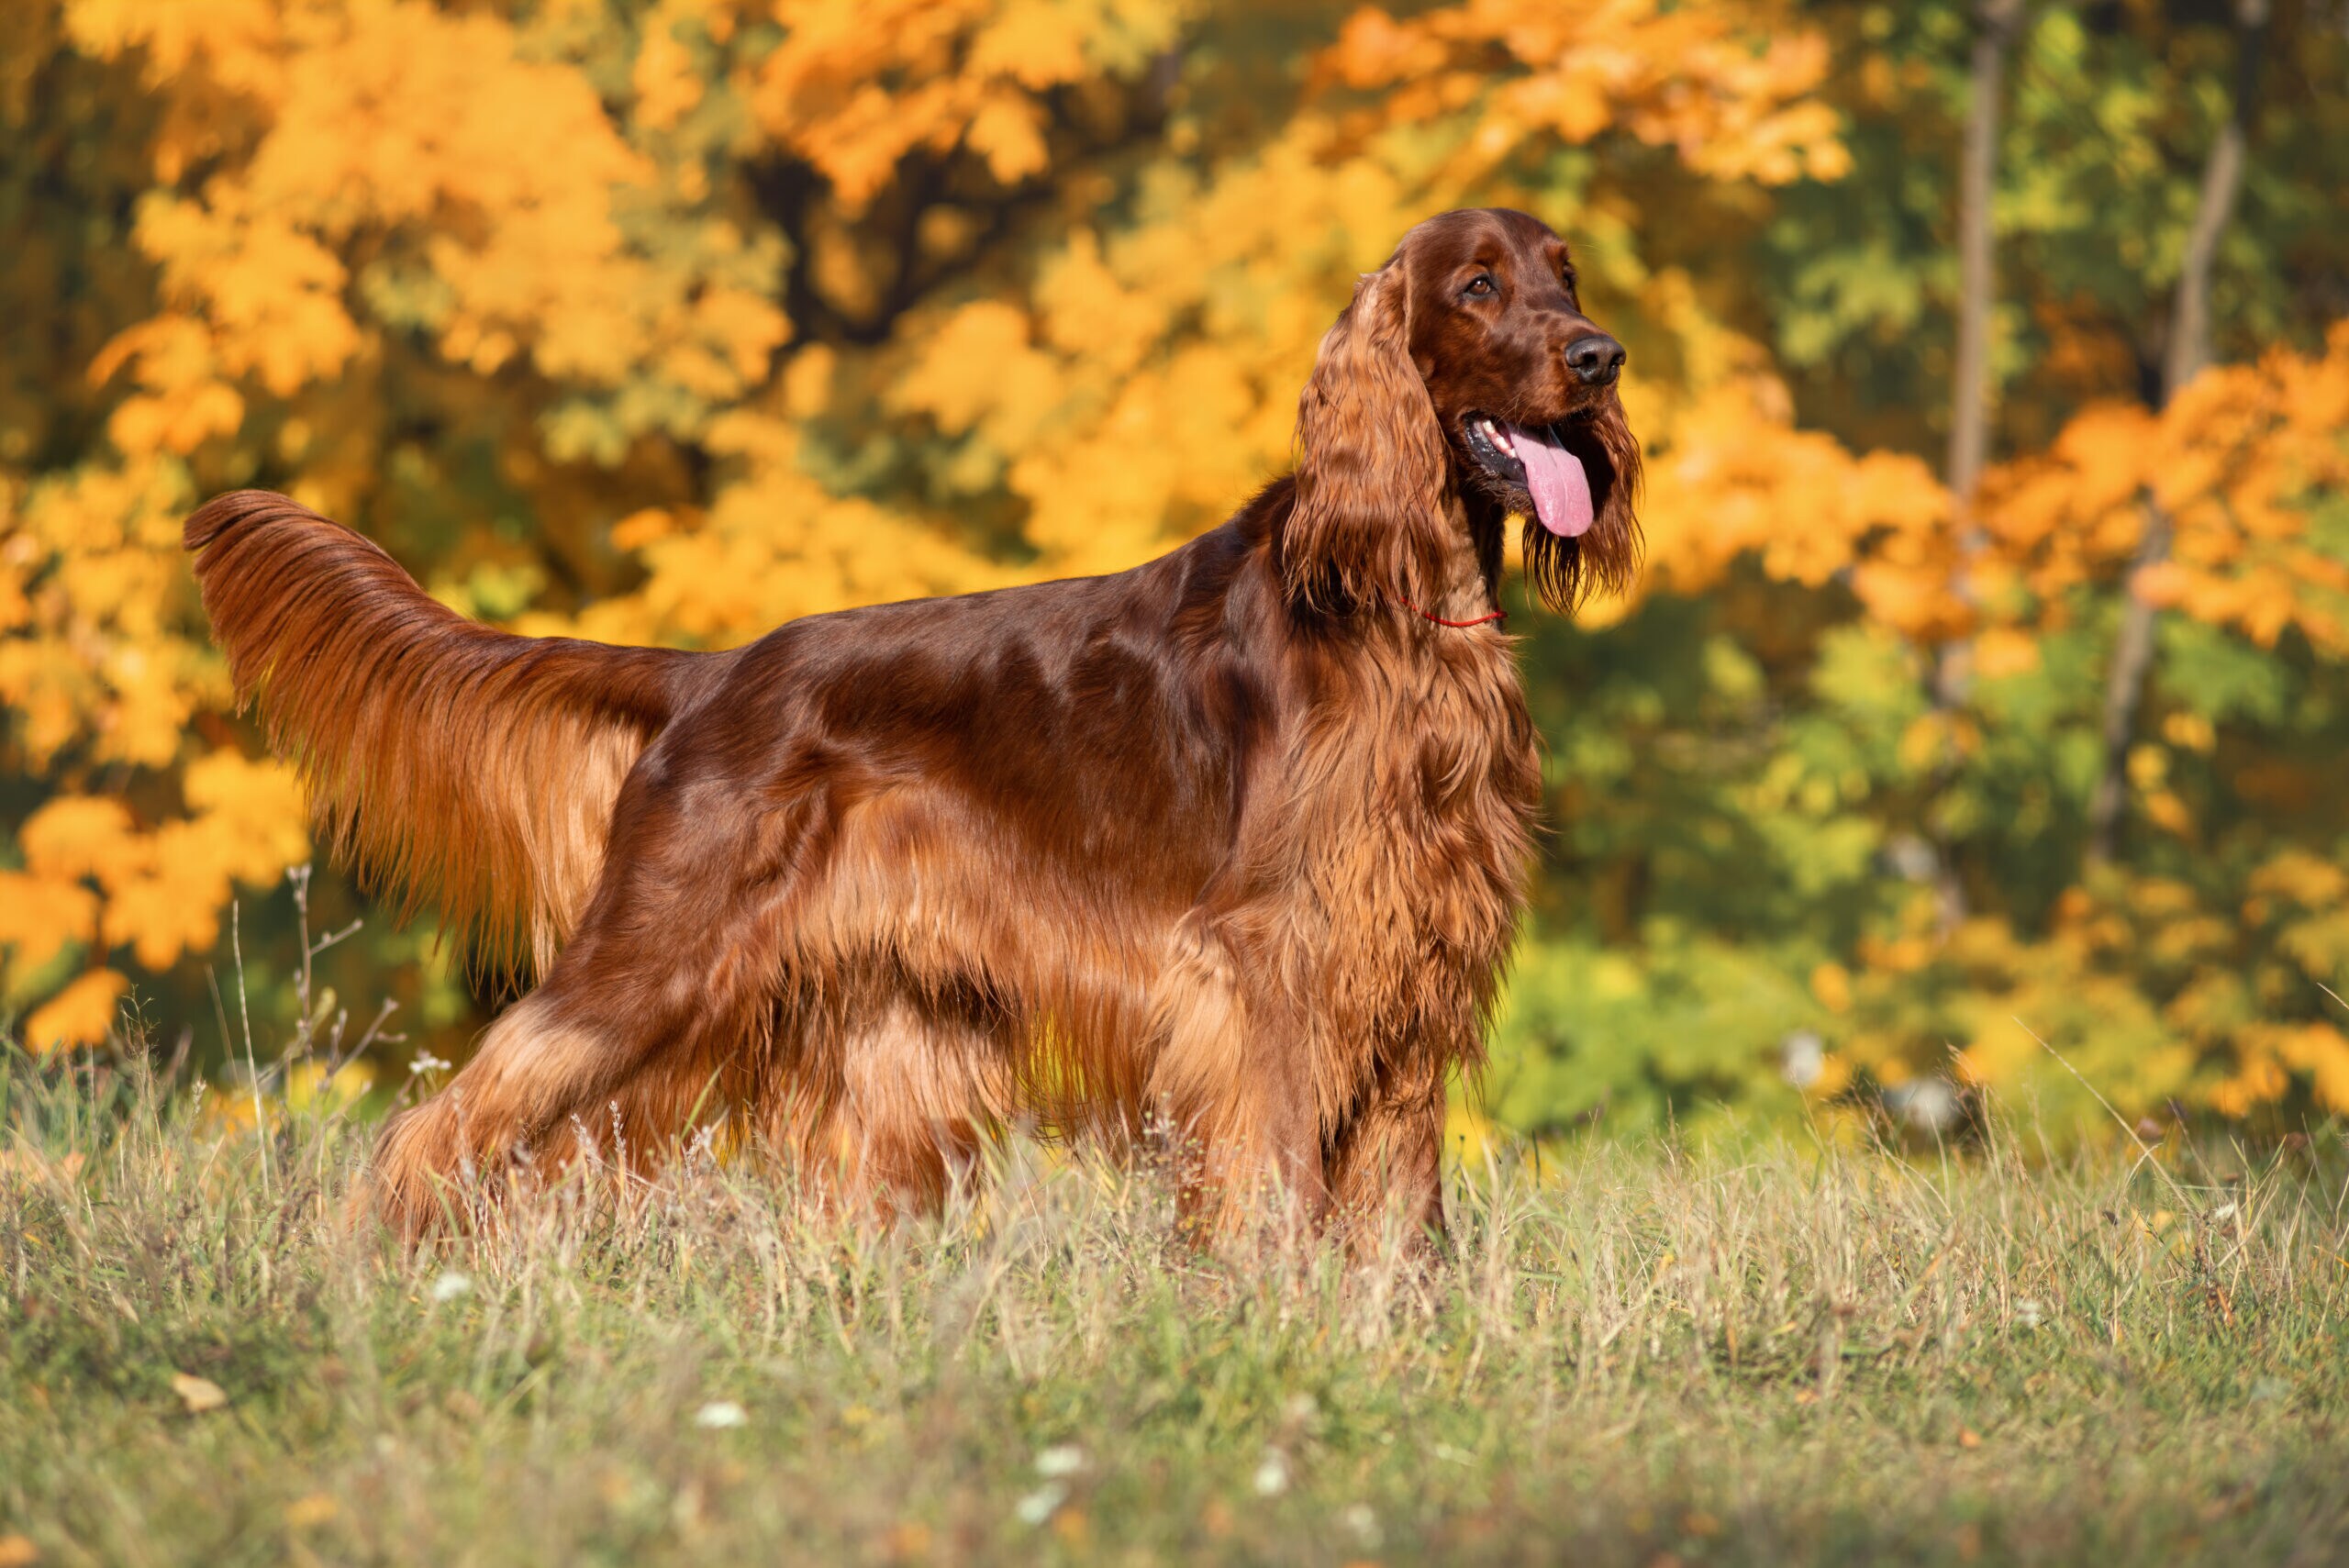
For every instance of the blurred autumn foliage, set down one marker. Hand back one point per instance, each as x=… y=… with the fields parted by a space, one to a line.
x=670 y=320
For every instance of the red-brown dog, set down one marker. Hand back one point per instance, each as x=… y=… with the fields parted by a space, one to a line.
x=1238 y=839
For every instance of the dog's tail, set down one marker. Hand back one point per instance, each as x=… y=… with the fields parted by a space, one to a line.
x=452 y=765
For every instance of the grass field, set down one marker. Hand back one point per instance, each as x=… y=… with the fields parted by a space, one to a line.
x=1640 y=1355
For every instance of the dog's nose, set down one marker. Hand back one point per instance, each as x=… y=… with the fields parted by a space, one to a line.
x=1596 y=359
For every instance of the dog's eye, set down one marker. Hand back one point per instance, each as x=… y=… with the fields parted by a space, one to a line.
x=1481 y=285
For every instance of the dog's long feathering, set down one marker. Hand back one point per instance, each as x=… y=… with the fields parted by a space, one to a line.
x=457 y=766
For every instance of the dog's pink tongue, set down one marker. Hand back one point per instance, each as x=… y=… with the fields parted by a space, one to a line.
x=1561 y=489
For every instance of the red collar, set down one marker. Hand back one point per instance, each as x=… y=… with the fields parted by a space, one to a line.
x=1497 y=615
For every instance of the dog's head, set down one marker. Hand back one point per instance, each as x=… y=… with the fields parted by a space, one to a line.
x=1464 y=368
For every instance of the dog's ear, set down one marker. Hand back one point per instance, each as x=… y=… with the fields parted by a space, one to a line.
x=1371 y=464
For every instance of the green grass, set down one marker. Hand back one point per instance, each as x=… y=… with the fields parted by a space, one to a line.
x=1640 y=1355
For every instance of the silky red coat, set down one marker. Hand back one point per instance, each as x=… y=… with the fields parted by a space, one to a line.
x=1228 y=849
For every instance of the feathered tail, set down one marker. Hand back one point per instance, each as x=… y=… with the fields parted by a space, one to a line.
x=454 y=765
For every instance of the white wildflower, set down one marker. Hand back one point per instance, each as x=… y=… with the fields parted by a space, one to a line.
x=1043 y=1503
x=1272 y=1473
x=450 y=1285
x=1061 y=1459
x=1802 y=1058
x=719 y=1414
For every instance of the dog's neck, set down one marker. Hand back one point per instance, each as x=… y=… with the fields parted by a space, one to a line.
x=1470 y=580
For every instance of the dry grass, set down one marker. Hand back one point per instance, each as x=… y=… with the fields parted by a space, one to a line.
x=1645 y=1354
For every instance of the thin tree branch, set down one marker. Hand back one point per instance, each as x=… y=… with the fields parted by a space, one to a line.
x=2188 y=351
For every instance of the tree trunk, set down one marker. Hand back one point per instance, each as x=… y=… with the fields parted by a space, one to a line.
x=2188 y=351
x=1977 y=290
x=1969 y=423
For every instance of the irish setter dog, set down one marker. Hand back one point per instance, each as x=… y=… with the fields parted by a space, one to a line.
x=1230 y=848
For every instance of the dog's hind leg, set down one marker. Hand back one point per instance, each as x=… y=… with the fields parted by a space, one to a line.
x=640 y=1024
x=888 y=1100
x=539 y=1066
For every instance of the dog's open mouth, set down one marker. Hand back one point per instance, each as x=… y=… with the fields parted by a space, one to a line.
x=1560 y=471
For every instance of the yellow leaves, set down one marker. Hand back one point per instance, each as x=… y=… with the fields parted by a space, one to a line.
x=1374 y=50
x=78 y=836
x=2233 y=462
x=1036 y=45
x=1739 y=478
x=270 y=294
x=775 y=545
x=160 y=890
x=182 y=400
x=90 y=564
x=666 y=85
x=2002 y=651
x=40 y=917
x=1086 y=309
x=2301 y=878
x=2305 y=899
x=253 y=812
x=1720 y=85
x=855 y=87
x=233 y=40
x=978 y=365
x=388 y=113
x=2271 y=1052
x=1008 y=131
x=2189 y=731
x=82 y=1014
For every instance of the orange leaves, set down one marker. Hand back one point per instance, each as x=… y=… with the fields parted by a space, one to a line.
x=89 y=565
x=79 y=836
x=271 y=292
x=1374 y=50
x=1739 y=478
x=2059 y=516
x=854 y=88
x=1717 y=83
x=978 y=366
x=776 y=546
x=93 y=877
x=2239 y=461
x=81 y=1013
x=667 y=86
x=379 y=114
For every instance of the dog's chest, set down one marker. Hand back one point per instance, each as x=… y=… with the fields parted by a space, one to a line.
x=1415 y=819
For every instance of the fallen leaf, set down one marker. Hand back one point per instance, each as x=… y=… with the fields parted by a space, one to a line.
x=314 y=1509
x=18 y=1552
x=1968 y=1437
x=198 y=1394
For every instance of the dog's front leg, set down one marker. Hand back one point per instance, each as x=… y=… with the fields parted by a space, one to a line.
x=1386 y=1168
x=1232 y=1080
